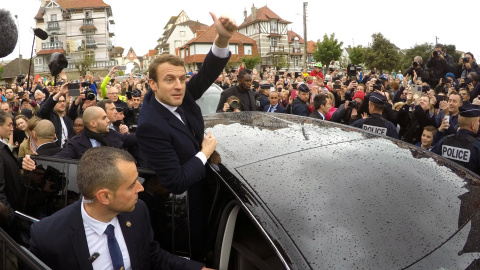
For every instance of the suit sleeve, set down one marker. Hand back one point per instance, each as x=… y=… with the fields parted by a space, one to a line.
x=47 y=108
x=208 y=73
x=158 y=149
x=3 y=195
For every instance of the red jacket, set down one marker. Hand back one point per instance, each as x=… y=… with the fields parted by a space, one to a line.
x=315 y=74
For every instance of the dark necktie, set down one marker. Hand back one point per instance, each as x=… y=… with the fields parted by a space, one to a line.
x=272 y=109
x=180 y=111
x=114 y=248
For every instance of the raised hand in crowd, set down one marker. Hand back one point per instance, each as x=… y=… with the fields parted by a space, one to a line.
x=443 y=106
x=112 y=71
x=445 y=125
x=63 y=91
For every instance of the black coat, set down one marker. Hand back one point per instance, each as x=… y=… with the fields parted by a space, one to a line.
x=11 y=189
x=48 y=149
x=60 y=242
x=247 y=99
x=47 y=112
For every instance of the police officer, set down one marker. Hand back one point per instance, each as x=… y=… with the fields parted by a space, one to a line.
x=299 y=104
x=462 y=147
x=376 y=123
x=262 y=98
x=133 y=112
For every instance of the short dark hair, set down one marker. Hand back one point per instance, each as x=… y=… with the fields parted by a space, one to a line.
x=319 y=100
x=432 y=129
x=102 y=103
x=474 y=76
x=164 y=58
x=243 y=72
x=98 y=169
x=439 y=45
x=3 y=117
x=378 y=107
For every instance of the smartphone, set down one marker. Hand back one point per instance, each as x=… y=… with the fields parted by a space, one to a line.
x=438 y=98
x=20 y=94
x=416 y=89
x=446 y=118
x=337 y=86
x=129 y=95
x=37 y=76
x=122 y=68
x=74 y=89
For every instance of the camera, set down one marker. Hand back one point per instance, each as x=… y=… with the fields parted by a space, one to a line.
x=351 y=70
x=352 y=104
x=436 y=54
x=234 y=105
x=465 y=83
x=89 y=93
x=415 y=64
x=20 y=78
x=465 y=60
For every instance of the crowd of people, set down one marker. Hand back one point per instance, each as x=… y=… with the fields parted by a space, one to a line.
x=432 y=105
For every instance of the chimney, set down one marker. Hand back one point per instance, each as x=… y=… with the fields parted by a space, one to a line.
x=254 y=13
x=245 y=15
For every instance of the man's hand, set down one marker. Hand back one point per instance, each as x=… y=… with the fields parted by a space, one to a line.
x=123 y=129
x=225 y=27
x=444 y=126
x=63 y=91
x=433 y=101
x=208 y=145
x=28 y=164
x=80 y=98
x=112 y=71
x=443 y=106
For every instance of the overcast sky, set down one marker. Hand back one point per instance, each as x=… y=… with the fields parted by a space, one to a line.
x=404 y=23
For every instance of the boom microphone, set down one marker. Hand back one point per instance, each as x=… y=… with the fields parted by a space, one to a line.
x=8 y=33
x=40 y=33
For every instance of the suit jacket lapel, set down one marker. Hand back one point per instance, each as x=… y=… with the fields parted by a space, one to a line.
x=130 y=239
x=79 y=240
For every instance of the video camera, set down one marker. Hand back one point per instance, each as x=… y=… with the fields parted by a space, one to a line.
x=89 y=93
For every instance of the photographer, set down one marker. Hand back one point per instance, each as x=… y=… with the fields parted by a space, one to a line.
x=83 y=101
x=232 y=105
x=347 y=112
x=466 y=64
x=439 y=64
x=242 y=91
x=420 y=69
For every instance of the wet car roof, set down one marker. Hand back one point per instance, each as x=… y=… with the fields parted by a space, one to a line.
x=347 y=198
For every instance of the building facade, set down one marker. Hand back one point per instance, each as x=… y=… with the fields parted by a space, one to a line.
x=83 y=30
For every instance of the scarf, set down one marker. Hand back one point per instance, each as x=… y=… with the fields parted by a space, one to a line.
x=101 y=137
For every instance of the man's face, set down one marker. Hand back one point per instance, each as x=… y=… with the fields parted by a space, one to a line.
x=427 y=138
x=317 y=69
x=25 y=105
x=61 y=105
x=453 y=103
x=360 y=88
x=102 y=122
x=6 y=129
x=14 y=86
x=78 y=126
x=302 y=96
x=6 y=108
x=9 y=94
x=111 y=112
x=120 y=116
x=112 y=94
x=136 y=102
x=273 y=98
x=38 y=95
x=464 y=95
x=139 y=86
x=325 y=108
x=125 y=197
x=170 y=85
x=424 y=103
x=246 y=82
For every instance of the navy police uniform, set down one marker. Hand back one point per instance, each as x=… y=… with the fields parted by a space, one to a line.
x=299 y=107
x=376 y=123
x=132 y=114
x=262 y=99
x=462 y=147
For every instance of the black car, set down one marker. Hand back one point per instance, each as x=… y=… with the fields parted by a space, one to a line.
x=291 y=192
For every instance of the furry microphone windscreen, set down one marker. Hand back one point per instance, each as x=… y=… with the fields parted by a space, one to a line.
x=8 y=33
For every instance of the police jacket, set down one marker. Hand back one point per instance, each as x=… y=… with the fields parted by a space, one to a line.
x=378 y=125
x=299 y=107
x=462 y=148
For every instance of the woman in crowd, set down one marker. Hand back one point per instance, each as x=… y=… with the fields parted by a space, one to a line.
x=28 y=146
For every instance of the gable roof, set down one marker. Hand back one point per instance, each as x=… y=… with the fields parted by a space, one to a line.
x=76 y=4
x=12 y=70
x=263 y=14
x=291 y=37
x=209 y=35
x=311 y=46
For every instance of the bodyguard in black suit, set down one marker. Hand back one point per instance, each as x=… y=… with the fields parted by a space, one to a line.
x=242 y=91
x=170 y=129
x=69 y=239
x=44 y=135
x=320 y=106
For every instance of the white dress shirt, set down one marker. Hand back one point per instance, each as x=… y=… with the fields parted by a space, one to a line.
x=97 y=241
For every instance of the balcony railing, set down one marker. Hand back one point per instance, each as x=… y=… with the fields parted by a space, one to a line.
x=52 y=45
x=275 y=49
x=296 y=50
x=274 y=31
x=53 y=26
x=91 y=44
x=88 y=22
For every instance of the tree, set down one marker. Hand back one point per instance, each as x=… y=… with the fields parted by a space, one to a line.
x=282 y=62
x=83 y=64
x=452 y=50
x=2 y=69
x=424 y=50
x=357 y=55
x=382 y=54
x=250 y=62
x=327 y=50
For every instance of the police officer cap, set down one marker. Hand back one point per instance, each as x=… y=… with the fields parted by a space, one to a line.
x=119 y=109
x=377 y=98
x=303 y=88
x=469 y=110
x=136 y=93
x=265 y=85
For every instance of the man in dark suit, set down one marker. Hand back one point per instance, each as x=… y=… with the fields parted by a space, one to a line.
x=54 y=110
x=242 y=90
x=274 y=106
x=170 y=127
x=44 y=136
x=108 y=228
x=320 y=106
